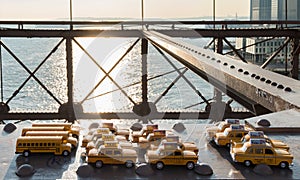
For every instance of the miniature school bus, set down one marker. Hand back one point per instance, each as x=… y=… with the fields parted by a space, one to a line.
x=257 y=151
x=143 y=133
x=232 y=134
x=66 y=136
x=42 y=144
x=26 y=129
x=170 y=154
x=211 y=131
x=74 y=129
x=261 y=135
x=95 y=134
x=111 y=153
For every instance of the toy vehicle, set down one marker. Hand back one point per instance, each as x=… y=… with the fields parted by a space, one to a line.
x=257 y=151
x=74 y=129
x=231 y=134
x=152 y=138
x=170 y=154
x=94 y=135
x=66 y=136
x=123 y=132
x=111 y=153
x=143 y=133
x=96 y=143
x=220 y=127
x=42 y=144
x=110 y=126
x=261 y=135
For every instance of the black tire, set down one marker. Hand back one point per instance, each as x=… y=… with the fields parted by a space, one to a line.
x=283 y=165
x=160 y=165
x=190 y=165
x=247 y=163
x=129 y=164
x=26 y=153
x=65 y=153
x=99 y=164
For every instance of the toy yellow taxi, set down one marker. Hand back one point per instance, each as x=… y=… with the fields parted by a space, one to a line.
x=94 y=135
x=96 y=143
x=111 y=153
x=170 y=154
x=233 y=133
x=143 y=133
x=152 y=138
x=219 y=127
x=261 y=135
x=257 y=151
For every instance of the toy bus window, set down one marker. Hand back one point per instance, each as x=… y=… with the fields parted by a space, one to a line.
x=32 y=144
x=28 y=144
x=45 y=144
x=24 y=144
x=239 y=135
x=53 y=144
x=250 y=151
x=230 y=135
x=117 y=153
x=258 y=151
x=177 y=153
x=36 y=144
x=108 y=152
x=49 y=144
x=41 y=144
x=20 y=144
x=268 y=151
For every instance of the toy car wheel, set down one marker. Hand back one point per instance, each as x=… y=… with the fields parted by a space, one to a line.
x=99 y=164
x=129 y=164
x=228 y=145
x=283 y=165
x=26 y=153
x=160 y=165
x=65 y=153
x=190 y=165
x=247 y=163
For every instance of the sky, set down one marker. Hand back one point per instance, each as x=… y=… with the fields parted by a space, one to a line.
x=164 y=9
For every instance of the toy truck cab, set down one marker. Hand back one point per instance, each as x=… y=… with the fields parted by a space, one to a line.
x=232 y=134
x=261 y=135
x=220 y=127
x=170 y=154
x=111 y=153
x=257 y=151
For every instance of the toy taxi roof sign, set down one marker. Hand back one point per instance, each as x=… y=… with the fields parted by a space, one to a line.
x=256 y=134
x=258 y=141
x=111 y=144
x=172 y=138
x=107 y=125
x=151 y=127
x=108 y=137
x=103 y=130
x=159 y=132
x=237 y=127
x=232 y=121
x=170 y=145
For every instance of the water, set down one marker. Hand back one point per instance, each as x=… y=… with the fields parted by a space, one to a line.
x=106 y=52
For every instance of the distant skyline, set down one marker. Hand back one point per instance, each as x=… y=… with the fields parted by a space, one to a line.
x=57 y=9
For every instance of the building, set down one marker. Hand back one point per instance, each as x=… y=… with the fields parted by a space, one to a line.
x=278 y=10
x=260 y=10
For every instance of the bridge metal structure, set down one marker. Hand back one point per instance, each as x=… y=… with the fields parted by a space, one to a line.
x=258 y=90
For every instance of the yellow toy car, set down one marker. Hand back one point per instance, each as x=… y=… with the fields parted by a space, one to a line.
x=94 y=135
x=143 y=133
x=112 y=153
x=170 y=154
x=219 y=127
x=231 y=134
x=257 y=151
x=261 y=135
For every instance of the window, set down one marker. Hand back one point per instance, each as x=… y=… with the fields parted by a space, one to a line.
x=177 y=153
x=239 y=135
x=32 y=144
x=36 y=144
x=108 y=152
x=250 y=151
x=49 y=144
x=117 y=153
x=28 y=144
x=20 y=144
x=269 y=151
x=258 y=151
x=24 y=144
x=45 y=144
x=41 y=144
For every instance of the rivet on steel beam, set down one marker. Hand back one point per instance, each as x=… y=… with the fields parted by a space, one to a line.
x=213 y=59
x=268 y=81
x=240 y=70
x=218 y=61
x=225 y=64
x=280 y=86
x=208 y=57
x=203 y=54
x=274 y=84
x=262 y=79
x=253 y=75
x=246 y=73
x=232 y=66
x=257 y=77
x=288 y=89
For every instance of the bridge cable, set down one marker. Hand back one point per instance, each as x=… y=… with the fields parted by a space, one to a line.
x=1 y=74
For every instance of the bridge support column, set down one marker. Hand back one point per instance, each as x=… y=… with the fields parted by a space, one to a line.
x=295 y=50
